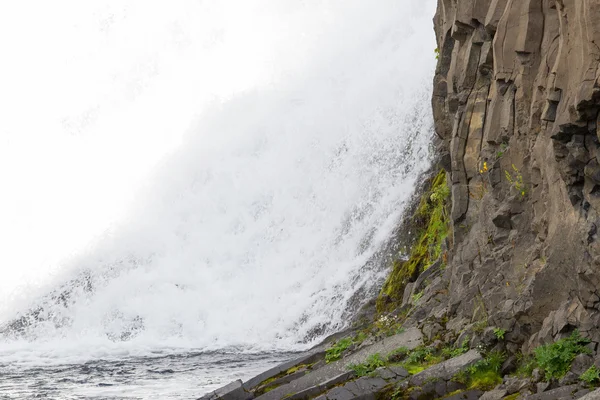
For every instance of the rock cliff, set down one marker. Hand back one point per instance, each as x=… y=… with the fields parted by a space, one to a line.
x=516 y=101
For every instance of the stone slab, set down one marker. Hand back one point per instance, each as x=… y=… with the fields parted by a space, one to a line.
x=410 y=339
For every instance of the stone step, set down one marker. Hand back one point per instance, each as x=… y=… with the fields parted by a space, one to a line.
x=409 y=339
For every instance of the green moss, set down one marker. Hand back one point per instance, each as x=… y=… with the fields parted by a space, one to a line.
x=432 y=219
x=485 y=380
x=267 y=381
x=266 y=385
x=268 y=389
x=416 y=360
x=484 y=374
x=414 y=368
x=459 y=391
x=512 y=397
x=297 y=368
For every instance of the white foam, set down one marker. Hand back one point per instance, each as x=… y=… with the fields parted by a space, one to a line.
x=291 y=138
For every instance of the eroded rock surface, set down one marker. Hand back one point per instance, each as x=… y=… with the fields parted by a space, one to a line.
x=516 y=100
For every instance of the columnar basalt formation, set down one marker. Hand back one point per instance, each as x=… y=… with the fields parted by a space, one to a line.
x=516 y=101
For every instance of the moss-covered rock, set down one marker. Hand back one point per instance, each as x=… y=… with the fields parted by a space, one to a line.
x=431 y=219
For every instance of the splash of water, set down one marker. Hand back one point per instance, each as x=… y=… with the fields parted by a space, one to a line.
x=259 y=230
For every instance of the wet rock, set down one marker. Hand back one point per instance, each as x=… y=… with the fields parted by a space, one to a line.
x=311 y=357
x=232 y=391
x=319 y=388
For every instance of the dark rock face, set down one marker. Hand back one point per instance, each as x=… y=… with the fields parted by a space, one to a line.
x=516 y=101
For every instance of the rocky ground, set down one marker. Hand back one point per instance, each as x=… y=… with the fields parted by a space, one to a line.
x=403 y=366
x=497 y=297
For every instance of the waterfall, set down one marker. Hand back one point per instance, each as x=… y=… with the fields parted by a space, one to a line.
x=210 y=175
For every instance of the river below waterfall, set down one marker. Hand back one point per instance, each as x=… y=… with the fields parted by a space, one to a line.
x=162 y=376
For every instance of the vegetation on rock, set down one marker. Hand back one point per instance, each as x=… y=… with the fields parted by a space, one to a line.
x=483 y=375
x=431 y=217
x=451 y=352
x=555 y=359
x=335 y=352
x=373 y=362
x=591 y=376
x=499 y=333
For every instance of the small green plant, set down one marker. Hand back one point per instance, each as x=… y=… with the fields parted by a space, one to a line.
x=450 y=352
x=398 y=354
x=516 y=181
x=419 y=354
x=437 y=53
x=499 y=333
x=591 y=376
x=372 y=362
x=555 y=359
x=494 y=360
x=335 y=352
x=419 y=359
x=416 y=297
x=503 y=148
x=479 y=326
x=525 y=365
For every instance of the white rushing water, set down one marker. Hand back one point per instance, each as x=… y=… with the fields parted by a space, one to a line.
x=202 y=174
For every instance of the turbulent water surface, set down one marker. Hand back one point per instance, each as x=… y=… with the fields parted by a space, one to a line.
x=198 y=190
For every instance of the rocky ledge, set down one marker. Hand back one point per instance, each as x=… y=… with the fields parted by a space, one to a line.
x=403 y=366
